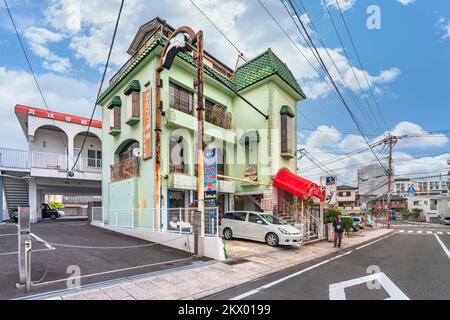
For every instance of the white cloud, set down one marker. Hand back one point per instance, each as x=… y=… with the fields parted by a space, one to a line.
x=18 y=87
x=406 y=2
x=343 y=4
x=421 y=162
x=444 y=26
x=323 y=136
x=38 y=39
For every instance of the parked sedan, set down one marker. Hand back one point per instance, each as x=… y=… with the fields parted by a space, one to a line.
x=359 y=221
x=445 y=221
x=259 y=227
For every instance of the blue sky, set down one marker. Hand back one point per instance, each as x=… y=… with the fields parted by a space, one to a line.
x=406 y=62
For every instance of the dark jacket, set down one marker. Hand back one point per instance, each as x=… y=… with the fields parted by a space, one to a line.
x=338 y=226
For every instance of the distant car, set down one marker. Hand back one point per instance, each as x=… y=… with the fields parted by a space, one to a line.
x=259 y=227
x=445 y=221
x=359 y=221
x=49 y=212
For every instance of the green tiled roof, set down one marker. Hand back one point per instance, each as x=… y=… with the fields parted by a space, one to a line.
x=115 y=102
x=255 y=70
x=287 y=111
x=262 y=67
x=132 y=86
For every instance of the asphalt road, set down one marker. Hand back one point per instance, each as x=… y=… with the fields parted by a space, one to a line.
x=101 y=255
x=409 y=264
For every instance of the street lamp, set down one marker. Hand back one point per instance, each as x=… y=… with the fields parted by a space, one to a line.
x=184 y=39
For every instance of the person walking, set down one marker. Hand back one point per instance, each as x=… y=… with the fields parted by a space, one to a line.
x=338 y=228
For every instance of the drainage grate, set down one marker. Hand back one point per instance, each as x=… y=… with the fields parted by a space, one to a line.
x=236 y=261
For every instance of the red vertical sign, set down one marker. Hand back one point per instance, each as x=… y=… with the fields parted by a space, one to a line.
x=147 y=124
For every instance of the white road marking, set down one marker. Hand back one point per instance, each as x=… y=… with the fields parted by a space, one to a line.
x=337 y=290
x=8 y=235
x=429 y=232
x=113 y=271
x=448 y=233
x=401 y=231
x=45 y=243
x=439 y=232
x=420 y=231
x=271 y=284
x=16 y=252
x=410 y=231
x=447 y=252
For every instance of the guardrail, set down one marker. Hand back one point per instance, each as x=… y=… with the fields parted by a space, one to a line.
x=173 y=220
x=11 y=158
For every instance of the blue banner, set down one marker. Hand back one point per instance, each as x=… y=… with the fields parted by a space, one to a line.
x=210 y=177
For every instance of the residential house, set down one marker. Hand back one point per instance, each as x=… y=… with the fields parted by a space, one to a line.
x=397 y=203
x=347 y=198
x=432 y=207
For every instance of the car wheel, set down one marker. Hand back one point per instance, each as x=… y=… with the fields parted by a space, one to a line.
x=272 y=239
x=228 y=234
x=53 y=217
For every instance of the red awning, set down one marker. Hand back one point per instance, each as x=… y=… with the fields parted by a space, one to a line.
x=296 y=185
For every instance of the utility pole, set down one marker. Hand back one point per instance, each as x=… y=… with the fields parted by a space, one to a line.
x=200 y=116
x=392 y=140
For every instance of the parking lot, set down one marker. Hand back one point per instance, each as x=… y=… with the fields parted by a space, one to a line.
x=101 y=255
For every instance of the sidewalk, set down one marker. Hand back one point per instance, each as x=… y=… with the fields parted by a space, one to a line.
x=203 y=281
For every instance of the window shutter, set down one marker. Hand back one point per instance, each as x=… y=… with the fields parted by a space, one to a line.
x=117 y=119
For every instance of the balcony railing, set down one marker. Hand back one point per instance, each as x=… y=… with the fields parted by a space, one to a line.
x=89 y=165
x=43 y=160
x=125 y=169
x=10 y=158
x=218 y=117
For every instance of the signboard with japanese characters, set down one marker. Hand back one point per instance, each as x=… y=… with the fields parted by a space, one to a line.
x=210 y=177
x=331 y=190
x=147 y=123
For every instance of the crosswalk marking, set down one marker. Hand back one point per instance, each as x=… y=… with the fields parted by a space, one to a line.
x=424 y=232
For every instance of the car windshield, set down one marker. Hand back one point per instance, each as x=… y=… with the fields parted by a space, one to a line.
x=273 y=220
x=356 y=219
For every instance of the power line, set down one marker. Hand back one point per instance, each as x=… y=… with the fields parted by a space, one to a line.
x=41 y=93
x=219 y=30
x=344 y=81
x=71 y=173
x=353 y=117
x=360 y=63
x=350 y=62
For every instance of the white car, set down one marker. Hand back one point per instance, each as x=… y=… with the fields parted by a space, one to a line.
x=259 y=227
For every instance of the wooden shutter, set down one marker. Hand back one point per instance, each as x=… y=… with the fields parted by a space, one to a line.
x=135 y=107
x=117 y=119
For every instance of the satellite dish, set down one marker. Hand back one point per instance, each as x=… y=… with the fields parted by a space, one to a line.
x=137 y=152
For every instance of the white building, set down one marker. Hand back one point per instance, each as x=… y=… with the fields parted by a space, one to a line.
x=432 y=207
x=438 y=185
x=372 y=182
x=54 y=142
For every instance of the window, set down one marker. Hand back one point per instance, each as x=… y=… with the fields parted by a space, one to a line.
x=241 y=216
x=181 y=99
x=94 y=159
x=177 y=152
x=254 y=218
x=133 y=107
x=286 y=134
x=127 y=151
x=340 y=194
x=417 y=203
x=216 y=114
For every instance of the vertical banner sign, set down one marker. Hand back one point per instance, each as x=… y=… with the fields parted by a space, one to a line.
x=331 y=190
x=210 y=177
x=147 y=123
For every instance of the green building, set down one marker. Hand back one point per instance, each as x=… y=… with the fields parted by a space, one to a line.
x=251 y=148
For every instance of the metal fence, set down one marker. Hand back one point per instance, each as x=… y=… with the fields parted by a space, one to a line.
x=10 y=158
x=174 y=220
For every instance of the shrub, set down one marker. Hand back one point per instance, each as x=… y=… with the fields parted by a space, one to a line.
x=405 y=213
x=330 y=214
x=56 y=205
x=348 y=223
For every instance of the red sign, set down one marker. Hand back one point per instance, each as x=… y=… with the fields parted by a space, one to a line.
x=147 y=123
x=41 y=113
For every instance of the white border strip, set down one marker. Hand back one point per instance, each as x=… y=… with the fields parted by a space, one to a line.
x=447 y=252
